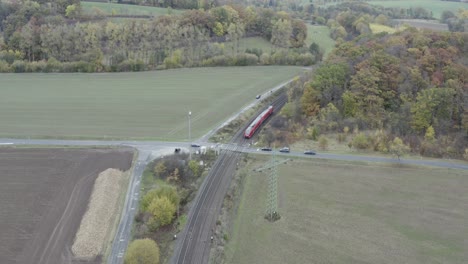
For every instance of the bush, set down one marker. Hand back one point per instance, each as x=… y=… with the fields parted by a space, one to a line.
x=53 y=65
x=18 y=66
x=323 y=143
x=265 y=59
x=246 y=59
x=4 y=66
x=36 y=66
x=360 y=141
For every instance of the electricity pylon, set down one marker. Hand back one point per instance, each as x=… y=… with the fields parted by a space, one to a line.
x=272 y=192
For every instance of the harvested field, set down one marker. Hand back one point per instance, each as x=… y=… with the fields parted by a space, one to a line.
x=96 y=225
x=44 y=194
x=353 y=212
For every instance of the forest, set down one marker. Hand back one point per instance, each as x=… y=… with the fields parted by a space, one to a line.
x=44 y=37
x=412 y=85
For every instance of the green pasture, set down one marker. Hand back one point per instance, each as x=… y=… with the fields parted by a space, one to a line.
x=251 y=43
x=321 y=36
x=343 y=212
x=122 y=9
x=138 y=105
x=436 y=6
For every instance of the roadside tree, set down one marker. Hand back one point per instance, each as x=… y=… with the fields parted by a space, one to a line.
x=142 y=251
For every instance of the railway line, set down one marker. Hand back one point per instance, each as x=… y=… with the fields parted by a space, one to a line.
x=194 y=243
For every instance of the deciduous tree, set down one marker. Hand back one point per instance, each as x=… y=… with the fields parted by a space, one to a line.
x=142 y=251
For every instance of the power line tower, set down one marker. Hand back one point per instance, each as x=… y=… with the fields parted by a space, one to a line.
x=272 y=193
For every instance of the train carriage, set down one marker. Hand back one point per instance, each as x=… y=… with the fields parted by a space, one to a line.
x=252 y=128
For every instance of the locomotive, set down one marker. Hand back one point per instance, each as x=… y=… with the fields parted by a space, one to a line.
x=249 y=132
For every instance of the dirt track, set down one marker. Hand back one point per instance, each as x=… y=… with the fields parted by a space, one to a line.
x=43 y=196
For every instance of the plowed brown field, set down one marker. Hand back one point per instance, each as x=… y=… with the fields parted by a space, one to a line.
x=43 y=197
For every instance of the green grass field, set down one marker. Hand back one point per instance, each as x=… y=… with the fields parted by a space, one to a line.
x=250 y=43
x=338 y=212
x=436 y=6
x=141 y=105
x=121 y=9
x=377 y=28
x=321 y=36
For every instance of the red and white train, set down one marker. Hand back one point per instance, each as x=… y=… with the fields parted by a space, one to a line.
x=258 y=122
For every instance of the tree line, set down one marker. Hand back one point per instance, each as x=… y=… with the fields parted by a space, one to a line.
x=411 y=85
x=42 y=41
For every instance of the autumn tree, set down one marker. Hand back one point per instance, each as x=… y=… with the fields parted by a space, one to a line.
x=282 y=30
x=165 y=191
x=142 y=251
x=195 y=168
x=162 y=211
x=398 y=148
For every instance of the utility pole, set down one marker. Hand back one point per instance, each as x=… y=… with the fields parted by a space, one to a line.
x=272 y=192
x=189 y=135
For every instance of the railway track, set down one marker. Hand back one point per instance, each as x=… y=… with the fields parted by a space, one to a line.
x=194 y=243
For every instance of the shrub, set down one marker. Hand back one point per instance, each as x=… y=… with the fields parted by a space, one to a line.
x=323 y=143
x=4 y=66
x=18 y=66
x=246 y=59
x=360 y=141
x=265 y=59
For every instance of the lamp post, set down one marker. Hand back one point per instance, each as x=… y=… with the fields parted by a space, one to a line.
x=189 y=136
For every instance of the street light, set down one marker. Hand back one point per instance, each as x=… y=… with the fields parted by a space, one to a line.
x=189 y=136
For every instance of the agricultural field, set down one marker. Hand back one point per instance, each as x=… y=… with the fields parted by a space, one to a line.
x=138 y=105
x=435 y=6
x=44 y=194
x=321 y=36
x=343 y=212
x=110 y=9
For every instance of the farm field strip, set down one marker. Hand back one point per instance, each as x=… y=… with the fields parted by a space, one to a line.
x=124 y=9
x=142 y=105
x=345 y=212
x=435 y=6
x=43 y=196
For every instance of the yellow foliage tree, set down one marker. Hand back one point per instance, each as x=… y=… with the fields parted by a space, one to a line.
x=163 y=211
x=142 y=251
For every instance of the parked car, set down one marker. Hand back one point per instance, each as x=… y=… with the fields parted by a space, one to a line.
x=284 y=150
x=195 y=145
x=266 y=149
x=258 y=96
x=310 y=152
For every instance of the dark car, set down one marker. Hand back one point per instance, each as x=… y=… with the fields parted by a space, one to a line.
x=266 y=149
x=258 y=97
x=195 y=145
x=309 y=152
x=284 y=150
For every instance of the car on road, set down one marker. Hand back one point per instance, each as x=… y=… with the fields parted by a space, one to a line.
x=284 y=150
x=310 y=152
x=195 y=145
x=266 y=149
x=258 y=96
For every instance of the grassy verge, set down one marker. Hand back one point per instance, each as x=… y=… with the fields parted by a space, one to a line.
x=343 y=212
x=142 y=105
